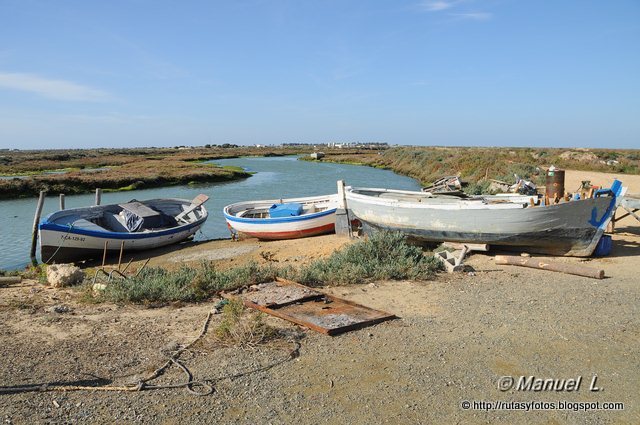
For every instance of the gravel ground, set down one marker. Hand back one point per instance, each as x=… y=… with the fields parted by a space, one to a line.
x=456 y=336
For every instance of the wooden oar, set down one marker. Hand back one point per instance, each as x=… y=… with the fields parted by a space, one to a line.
x=197 y=202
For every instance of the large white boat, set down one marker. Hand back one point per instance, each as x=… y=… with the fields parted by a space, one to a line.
x=566 y=228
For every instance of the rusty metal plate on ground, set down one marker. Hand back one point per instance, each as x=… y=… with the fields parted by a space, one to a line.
x=277 y=293
x=310 y=308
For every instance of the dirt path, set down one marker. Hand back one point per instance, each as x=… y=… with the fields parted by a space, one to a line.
x=455 y=338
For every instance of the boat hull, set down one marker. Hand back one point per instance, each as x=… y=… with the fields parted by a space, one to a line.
x=68 y=235
x=302 y=226
x=571 y=228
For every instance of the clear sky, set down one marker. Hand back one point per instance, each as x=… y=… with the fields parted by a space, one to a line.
x=91 y=73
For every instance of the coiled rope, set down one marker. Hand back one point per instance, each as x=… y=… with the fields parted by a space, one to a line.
x=205 y=388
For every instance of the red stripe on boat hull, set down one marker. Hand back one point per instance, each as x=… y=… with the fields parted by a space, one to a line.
x=327 y=228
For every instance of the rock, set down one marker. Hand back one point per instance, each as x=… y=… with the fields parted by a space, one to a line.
x=98 y=287
x=61 y=275
x=58 y=309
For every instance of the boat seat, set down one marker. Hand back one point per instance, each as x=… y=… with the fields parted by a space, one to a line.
x=115 y=222
x=84 y=224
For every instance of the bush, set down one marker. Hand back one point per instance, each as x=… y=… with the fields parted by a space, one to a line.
x=243 y=328
x=384 y=255
x=187 y=284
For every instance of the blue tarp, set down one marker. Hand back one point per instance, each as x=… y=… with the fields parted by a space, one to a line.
x=285 y=210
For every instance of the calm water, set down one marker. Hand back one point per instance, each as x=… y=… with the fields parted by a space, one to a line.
x=277 y=177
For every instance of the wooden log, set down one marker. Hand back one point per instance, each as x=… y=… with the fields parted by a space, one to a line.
x=7 y=280
x=470 y=246
x=540 y=263
x=98 y=196
x=61 y=201
x=34 y=232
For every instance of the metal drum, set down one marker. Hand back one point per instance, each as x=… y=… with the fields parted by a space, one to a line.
x=554 y=183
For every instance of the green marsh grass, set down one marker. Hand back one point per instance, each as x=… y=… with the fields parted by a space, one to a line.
x=382 y=256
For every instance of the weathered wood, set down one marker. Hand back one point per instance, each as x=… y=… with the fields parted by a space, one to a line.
x=539 y=263
x=61 y=201
x=121 y=251
x=104 y=254
x=343 y=221
x=342 y=197
x=629 y=212
x=98 y=196
x=34 y=232
x=470 y=246
x=196 y=203
x=7 y=280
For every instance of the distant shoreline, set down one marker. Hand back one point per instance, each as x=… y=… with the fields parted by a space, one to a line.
x=24 y=174
x=82 y=171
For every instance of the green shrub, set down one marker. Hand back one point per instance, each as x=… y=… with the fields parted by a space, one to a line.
x=384 y=255
x=158 y=285
x=240 y=327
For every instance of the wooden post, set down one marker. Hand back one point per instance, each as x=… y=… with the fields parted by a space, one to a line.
x=120 y=258
x=104 y=255
x=342 y=196
x=98 y=196
x=343 y=222
x=61 y=201
x=540 y=263
x=36 y=221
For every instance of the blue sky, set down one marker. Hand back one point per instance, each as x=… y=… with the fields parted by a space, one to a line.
x=92 y=73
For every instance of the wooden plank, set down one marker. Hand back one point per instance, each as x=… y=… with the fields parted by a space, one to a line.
x=196 y=203
x=470 y=246
x=629 y=212
x=539 y=263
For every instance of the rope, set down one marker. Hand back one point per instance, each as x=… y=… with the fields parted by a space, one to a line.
x=64 y=239
x=143 y=384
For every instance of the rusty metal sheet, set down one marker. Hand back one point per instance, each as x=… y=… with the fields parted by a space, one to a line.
x=278 y=293
x=310 y=308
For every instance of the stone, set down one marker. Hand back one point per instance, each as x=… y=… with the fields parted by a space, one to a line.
x=61 y=275
x=58 y=309
x=99 y=287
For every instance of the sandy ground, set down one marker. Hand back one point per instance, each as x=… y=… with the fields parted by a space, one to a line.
x=455 y=338
x=573 y=179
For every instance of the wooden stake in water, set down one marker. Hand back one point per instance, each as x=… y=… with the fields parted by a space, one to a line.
x=34 y=233
x=61 y=201
x=98 y=196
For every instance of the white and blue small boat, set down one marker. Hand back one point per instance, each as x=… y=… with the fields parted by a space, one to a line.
x=283 y=218
x=84 y=233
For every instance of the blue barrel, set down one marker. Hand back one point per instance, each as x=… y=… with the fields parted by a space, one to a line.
x=604 y=246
